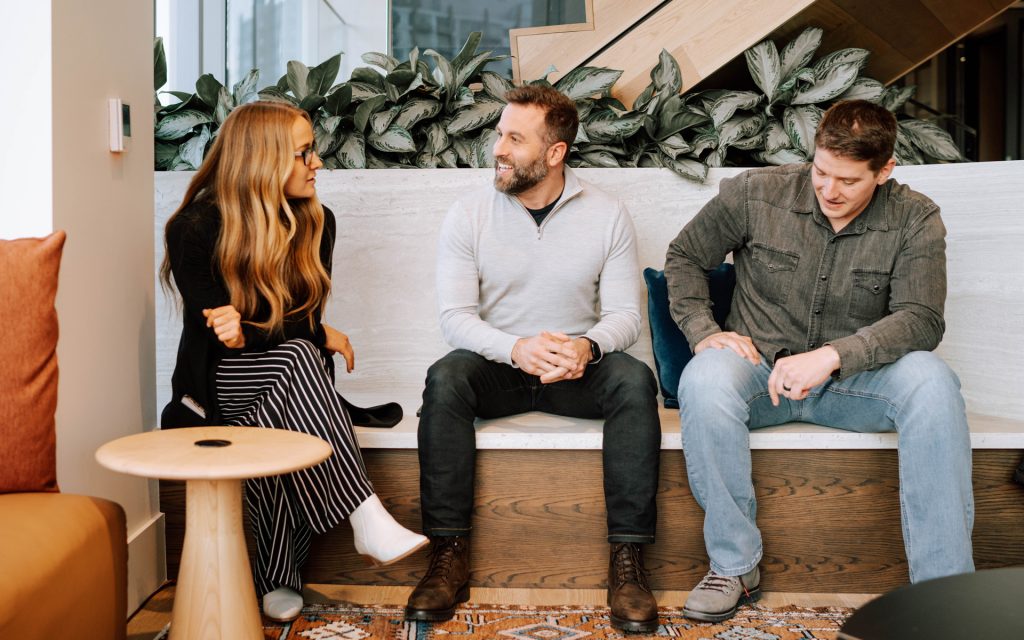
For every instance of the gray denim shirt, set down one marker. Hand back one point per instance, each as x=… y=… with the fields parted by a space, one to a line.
x=874 y=291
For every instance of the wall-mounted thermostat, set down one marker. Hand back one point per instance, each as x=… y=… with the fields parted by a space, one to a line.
x=120 y=124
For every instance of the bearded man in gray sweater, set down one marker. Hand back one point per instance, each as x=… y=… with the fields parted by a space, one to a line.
x=538 y=286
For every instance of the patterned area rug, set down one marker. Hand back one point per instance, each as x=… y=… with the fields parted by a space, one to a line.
x=473 y=622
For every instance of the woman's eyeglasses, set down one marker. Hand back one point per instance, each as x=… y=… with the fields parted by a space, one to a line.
x=307 y=155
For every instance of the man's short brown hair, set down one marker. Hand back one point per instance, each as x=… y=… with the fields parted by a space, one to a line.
x=859 y=130
x=560 y=115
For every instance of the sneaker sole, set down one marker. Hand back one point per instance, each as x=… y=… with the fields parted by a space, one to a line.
x=706 y=616
x=438 y=615
x=634 y=626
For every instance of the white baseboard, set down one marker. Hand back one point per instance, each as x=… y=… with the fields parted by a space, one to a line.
x=147 y=561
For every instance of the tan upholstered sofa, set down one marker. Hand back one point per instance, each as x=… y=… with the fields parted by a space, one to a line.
x=63 y=558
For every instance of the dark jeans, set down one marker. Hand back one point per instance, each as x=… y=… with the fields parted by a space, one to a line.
x=463 y=386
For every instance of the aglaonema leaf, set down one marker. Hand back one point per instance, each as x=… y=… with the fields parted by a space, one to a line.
x=584 y=82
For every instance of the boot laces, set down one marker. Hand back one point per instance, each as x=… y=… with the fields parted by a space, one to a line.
x=723 y=584
x=442 y=555
x=629 y=565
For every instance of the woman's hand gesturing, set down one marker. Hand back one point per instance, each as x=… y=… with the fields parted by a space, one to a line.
x=226 y=322
x=337 y=342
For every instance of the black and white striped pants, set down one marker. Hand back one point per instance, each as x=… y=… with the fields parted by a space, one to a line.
x=288 y=387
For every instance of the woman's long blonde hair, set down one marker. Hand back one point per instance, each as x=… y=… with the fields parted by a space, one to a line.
x=268 y=251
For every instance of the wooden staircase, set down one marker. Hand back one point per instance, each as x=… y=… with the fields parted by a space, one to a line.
x=704 y=35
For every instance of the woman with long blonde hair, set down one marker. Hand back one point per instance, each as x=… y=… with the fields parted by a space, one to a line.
x=250 y=250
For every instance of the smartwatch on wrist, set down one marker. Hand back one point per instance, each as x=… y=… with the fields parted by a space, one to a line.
x=595 y=350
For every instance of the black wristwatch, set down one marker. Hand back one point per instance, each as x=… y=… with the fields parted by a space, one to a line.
x=595 y=350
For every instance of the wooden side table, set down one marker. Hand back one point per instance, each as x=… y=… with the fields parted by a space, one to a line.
x=215 y=597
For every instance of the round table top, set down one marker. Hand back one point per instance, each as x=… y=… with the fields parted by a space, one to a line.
x=213 y=453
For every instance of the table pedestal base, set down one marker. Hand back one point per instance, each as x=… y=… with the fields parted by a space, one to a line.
x=216 y=599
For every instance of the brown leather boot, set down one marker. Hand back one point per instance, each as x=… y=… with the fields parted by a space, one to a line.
x=446 y=583
x=629 y=597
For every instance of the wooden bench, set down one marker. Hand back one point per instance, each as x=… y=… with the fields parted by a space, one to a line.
x=828 y=499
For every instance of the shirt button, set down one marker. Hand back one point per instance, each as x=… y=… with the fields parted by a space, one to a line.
x=875 y=288
x=817 y=312
x=813 y=345
x=824 y=278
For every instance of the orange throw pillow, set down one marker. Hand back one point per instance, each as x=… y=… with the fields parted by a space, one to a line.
x=28 y=362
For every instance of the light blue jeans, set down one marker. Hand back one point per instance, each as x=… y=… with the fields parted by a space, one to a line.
x=722 y=397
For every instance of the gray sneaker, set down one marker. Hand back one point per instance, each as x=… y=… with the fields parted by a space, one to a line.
x=716 y=597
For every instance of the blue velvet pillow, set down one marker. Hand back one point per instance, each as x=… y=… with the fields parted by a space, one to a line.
x=671 y=350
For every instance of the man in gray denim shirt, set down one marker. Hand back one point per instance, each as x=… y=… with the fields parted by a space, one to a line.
x=840 y=287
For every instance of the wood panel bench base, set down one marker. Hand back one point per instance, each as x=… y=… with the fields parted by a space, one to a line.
x=830 y=521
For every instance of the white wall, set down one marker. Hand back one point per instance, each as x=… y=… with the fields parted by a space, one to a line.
x=62 y=60
x=26 y=198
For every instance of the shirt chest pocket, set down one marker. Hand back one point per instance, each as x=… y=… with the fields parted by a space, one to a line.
x=869 y=299
x=773 y=271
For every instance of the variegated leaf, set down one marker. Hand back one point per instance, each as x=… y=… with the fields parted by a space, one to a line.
x=463 y=98
x=581 y=136
x=297 y=75
x=905 y=152
x=225 y=103
x=437 y=138
x=801 y=125
x=495 y=85
x=608 y=128
x=740 y=127
x=650 y=159
x=666 y=76
x=725 y=106
x=799 y=51
x=362 y=91
x=864 y=89
x=931 y=139
x=380 y=121
x=165 y=155
x=448 y=159
x=895 y=97
x=338 y=100
x=180 y=123
x=382 y=60
x=675 y=117
x=394 y=140
x=852 y=56
x=779 y=157
x=690 y=169
x=483 y=147
x=464 y=68
x=443 y=73
x=193 y=149
x=326 y=135
x=704 y=141
x=244 y=90
x=468 y=49
x=600 y=159
x=803 y=75
x=208 y=89
x=674 y=145
x=765 y=68
x=352 y=153
x=751 y=143
x=776 y=137
x=644 y=99
x=833 y=82
x=426 y=160
x=415 y=110
x=365 y=110
x=482 y=112
x=464 y=149
x=274 y=94
x=717 y=157
x=584 y=82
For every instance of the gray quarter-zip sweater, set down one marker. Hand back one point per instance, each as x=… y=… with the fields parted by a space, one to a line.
x=500 y=277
